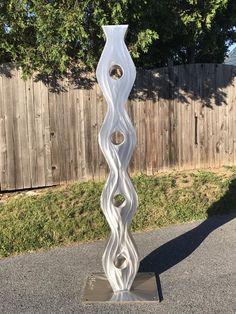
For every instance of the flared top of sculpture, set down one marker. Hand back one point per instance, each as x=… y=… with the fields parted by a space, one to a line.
x=115 y=71
x=112 y=31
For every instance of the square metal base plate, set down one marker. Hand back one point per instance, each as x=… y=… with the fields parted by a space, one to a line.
x=98 y=289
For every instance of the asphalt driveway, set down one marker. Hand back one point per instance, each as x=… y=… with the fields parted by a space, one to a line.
x=195 y=265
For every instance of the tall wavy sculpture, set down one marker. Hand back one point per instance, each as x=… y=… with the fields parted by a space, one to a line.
x=120 y=259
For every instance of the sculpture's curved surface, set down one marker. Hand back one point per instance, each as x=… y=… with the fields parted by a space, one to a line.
x=120 y=259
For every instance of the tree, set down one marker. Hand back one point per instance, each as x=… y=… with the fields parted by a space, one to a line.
x=190 y=31
x=51 y=36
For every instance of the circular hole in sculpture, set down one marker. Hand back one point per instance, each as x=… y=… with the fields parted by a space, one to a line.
x=119 y=200
x=117 y=138
x=120 y=262
x=115 y=72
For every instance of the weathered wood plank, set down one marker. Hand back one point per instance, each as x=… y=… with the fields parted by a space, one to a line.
x=54 y=137
x=46 y=135
x=21 y=108
x=88 y=138
x=94 y=129
x=67 y=132
x=62 y=133
x=3 y=144
x=8 y=96
x=100 y=117
x=234 y=112
x=16 y=140
x=31 y=131
x=181 y=118
x=82 y=135
x=73 y=129
x=39 y=136
x=220 y=123
x=148 y=121
x=133 y=108
x=155 y=122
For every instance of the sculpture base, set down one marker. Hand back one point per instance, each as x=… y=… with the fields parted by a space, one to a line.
x=98 y=289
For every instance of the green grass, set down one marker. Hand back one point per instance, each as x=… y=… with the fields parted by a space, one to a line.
x=70 y=213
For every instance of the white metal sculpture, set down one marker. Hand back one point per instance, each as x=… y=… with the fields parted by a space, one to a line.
x=120 y=259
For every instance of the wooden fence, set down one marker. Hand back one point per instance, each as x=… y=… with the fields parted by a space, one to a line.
x=185 y=118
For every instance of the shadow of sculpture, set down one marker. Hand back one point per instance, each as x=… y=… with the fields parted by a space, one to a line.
x=177 y=249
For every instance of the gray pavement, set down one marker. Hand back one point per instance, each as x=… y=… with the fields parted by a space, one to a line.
x=196 y=264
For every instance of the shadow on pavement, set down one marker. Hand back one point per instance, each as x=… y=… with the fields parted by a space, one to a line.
x=176 y=250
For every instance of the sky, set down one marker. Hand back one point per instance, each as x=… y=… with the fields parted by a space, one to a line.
x=232 y=47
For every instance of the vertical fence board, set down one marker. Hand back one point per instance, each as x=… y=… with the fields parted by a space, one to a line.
x=46 y=135
x=148 y=122
x=74 y=134
x=23 y=133
x=133 y=107
x=31 y=131
x=142 y=125
x=3 y=144
x=230 y=134
x=94 y=131
x=233 y=100
x=154 y=94
x=39 y=136
x=54 y=137
x=82 y=130
x=8 y=96
x=100 y=117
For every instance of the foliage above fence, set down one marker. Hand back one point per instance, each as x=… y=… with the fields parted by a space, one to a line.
x=184 y=116
x=51 y=36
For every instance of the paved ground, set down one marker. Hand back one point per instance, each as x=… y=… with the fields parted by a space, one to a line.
x=196 y=265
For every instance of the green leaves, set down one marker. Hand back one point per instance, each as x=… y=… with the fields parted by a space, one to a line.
x=51 y=36
x=201 y=14
x=144 y=40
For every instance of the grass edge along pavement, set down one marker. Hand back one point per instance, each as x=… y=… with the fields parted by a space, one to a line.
x=71 y=213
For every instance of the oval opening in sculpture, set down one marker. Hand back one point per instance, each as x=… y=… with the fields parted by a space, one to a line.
x=115 y=72
x=119 y=200
x=117 y=138
x=120 y=262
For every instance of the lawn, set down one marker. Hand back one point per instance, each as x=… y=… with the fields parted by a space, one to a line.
x=71 y=213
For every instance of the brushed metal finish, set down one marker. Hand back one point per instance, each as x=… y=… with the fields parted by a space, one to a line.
x=120 y=259
x=98 y=289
